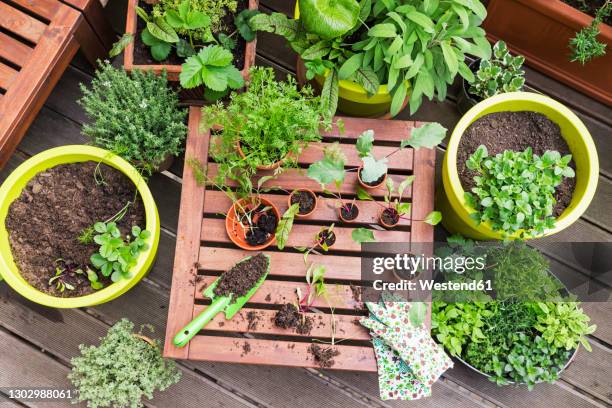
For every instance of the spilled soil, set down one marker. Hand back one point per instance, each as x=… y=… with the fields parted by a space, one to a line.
x=323 y=356
x=289 y=317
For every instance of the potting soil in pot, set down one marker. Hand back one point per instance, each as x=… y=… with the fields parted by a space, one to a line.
x=264 y=228
x=351 y=213
x=56 y=205
x=305 y=200
x=242 y=277
x=515 y=131
x=390 y=216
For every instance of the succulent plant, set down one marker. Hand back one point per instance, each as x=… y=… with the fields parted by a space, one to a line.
x=502 y=73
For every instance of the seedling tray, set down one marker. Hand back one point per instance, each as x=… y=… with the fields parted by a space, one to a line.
x=204 y=251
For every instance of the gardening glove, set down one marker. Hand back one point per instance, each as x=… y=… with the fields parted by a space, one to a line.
x=409 y=360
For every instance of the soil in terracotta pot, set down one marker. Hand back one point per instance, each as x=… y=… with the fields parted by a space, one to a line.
x=323 y=356
x=242 y=277
x=264 y=228
x=589 y=7
x=326 y=237
x=305 y=200
x=390 y=216
x=516 y=131
x=289 y=317
x=349 y=212
x=142 y=52
x=45 y=221
x=375 y=182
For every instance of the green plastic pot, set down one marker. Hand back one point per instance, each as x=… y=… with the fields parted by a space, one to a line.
x=452 y=203
x=353 y=99
x=11 y=189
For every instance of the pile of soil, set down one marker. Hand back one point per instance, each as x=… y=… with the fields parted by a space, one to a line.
x=589 y=7
x=375 y=182
x=515 y=131
x=45 y=221
x=142 y=52
x=349 y=212
x=289 y=317
x=305 y=200
x=242 y=277
x=323 y=356
x=327 y=237
x=390 y=216
x=264 y=228
x=253 y=319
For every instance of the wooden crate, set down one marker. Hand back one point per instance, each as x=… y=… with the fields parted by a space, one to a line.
x=204 y=250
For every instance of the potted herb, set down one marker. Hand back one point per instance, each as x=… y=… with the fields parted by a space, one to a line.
x=572 y=37
x=326 y=238
x=372 y=57
x=136 y=116
x=524 y=192
x=264 y=128
x=125 y=368
x=306 y=200
x=186 y=38
x=94 y=215
x=501 y=73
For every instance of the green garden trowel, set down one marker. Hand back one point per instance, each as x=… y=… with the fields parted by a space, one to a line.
x=225 y=304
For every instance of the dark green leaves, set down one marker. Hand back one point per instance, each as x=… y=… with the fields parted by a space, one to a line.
x=159 y=49
x=329 y=18
x=211 y=67
x=243 y=25
x=329 y=94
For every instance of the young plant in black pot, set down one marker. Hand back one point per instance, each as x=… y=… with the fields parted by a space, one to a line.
x=502 y=73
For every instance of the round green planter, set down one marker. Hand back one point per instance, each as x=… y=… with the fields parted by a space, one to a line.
x=11 y=189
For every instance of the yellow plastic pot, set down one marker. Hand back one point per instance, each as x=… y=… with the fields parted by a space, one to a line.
x=353 y=100
x=452 y=204
x=14 y=184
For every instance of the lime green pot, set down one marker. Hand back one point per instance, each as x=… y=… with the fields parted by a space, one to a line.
x=353 y=99
x=11 y=189
x=452 y=203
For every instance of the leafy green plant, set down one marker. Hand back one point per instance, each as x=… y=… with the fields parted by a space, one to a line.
x=501 y=73
x=122 y=370
x=361 y=235
x=136 y=116
x=116 y=256
x=159 y=35
x=514 y=190
x=211 y=67
x=415 y=47
x=285 y=225
x=584 y=45
x=271 y=121
x=564 y=325
x=216 y=10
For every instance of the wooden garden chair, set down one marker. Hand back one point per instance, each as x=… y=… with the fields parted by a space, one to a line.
x=38 y=39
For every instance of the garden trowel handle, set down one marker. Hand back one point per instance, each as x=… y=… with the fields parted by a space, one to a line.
x=186 y=334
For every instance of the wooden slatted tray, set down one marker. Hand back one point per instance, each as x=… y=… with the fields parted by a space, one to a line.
x=204 y=251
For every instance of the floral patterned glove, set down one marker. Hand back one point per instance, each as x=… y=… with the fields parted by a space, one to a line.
x=408 y=359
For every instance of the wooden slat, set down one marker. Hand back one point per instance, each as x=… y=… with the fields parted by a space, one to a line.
x=276 y=352
x=7 y=76
x=187 y=242
x=347 y=327
x=20 y=23
x=385 y=130
x=14 y=51
x=296 y=178
x=219 y=203
x=213 y=230
x=43 y=8
x=338 y=267
x=279 y=292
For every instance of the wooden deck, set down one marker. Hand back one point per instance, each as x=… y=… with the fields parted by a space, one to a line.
x=36 y=343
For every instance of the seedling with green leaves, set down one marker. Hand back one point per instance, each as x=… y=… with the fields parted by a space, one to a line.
x=320 y=241
x=428 y=136
x=514 y=191
x=68 y=277
x=584 y=45
x=501 y=73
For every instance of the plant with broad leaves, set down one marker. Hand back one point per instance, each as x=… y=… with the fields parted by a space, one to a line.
x=584 y=45
x=501 y=73
x=185 y=19
x=285 y=225
x=116 y=256
x=216 y=10
x=120 y=45
x=563 y=324
x=514 y=191
x=415 y=47
x=361 y=235
x=159 y=35
x=211 y=67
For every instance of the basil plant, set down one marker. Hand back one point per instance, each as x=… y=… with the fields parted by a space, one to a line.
x=416 y=47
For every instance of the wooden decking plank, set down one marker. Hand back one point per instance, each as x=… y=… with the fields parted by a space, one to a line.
x=20 y=23
x=589 y=372
x=599 y=211
x=14 y=51
x=213 y=230
x=600 y=314
x=212 y=348
x=265 y=324
x=43 y=8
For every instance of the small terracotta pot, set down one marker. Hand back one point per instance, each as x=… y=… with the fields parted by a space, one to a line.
x=267 y=167
x=344 y=219
x=319 y=240
x=236 y=231
x=309 y=192
x=383 y=223
x=364 y=185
